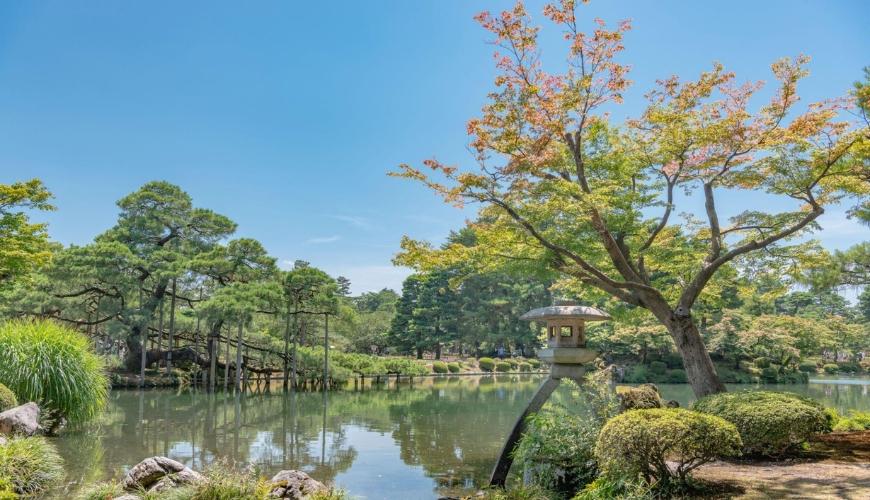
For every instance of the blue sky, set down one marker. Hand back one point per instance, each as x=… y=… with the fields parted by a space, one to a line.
x=285 y=116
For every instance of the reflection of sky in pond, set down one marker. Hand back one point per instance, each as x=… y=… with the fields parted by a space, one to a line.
x=440 y=437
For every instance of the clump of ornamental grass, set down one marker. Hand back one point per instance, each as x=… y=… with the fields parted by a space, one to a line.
x=7 y=398
x=29 y=465
x=53 y=365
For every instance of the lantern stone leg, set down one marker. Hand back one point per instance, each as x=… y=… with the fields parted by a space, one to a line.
x=568 y=358
x=506 y=459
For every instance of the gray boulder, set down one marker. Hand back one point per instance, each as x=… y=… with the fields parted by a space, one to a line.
x=159 y=473
x=294 y=484
x=21 y=420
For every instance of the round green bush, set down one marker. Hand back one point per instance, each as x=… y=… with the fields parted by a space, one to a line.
x=808 y=367
x=525 y=367
x=513 y=362
x=658 y=367
x=30 y=465
x=644 y=396
x=770 y=423
x=486 y=364
x=453 y=367
x=536 y=363
x=439 y=367
x=849 y=367
x=794 y=378
x=502 y=366
x=676 y=377
x=769 y=375
x=53 y=365
x=831 y=368
x=7 y=398
x=762 y=362
x=643 y=441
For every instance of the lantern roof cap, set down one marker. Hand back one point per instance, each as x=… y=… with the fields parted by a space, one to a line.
x=566 y=309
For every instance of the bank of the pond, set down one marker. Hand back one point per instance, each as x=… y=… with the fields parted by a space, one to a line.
x=439 y=436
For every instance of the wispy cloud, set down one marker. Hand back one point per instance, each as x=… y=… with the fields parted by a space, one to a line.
x=371 y=278
x=323 y=239
x=354 y=220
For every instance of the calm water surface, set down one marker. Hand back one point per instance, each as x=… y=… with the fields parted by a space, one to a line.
x=437 y=437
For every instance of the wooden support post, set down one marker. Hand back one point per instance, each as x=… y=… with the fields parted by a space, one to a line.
x=326 y=351
x=171 y=329
x=506 y=459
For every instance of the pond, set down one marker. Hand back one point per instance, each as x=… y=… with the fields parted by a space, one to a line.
x=437 y=437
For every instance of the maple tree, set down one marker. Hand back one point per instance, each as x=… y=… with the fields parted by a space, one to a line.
x=562 y=186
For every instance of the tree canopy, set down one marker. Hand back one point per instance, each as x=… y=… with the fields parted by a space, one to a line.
x=561 y=185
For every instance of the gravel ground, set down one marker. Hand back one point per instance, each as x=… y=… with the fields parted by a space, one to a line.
x=838 y=466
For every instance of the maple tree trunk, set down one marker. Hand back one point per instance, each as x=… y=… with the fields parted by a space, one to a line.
x=699 y=367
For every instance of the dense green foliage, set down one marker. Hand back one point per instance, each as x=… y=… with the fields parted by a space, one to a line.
x=24 y=245
x=557 y=450
x=439 y=367
x=53 y=365
x=852 y=421
x=7 y=398
x=643 y=441
x=770 y=423
x=434 y=314
x=486 y=364
x=30 y=465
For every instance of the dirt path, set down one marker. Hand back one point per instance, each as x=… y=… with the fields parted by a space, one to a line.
x=838 y=466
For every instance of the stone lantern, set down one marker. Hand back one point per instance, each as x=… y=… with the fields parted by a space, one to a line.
x=568 y=357
x=566 y=336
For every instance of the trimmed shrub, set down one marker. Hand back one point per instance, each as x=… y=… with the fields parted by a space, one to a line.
x=673 y=360
x=769 y=375
x=637 y=374
x=831 y=368
x=536 y=363
x=761 y=362
x=793 y=378
x=53 y=365
x=486 y=364
x=642 y=441
x=849 y=367
x=638 y=398
x=7 y=398
x=525 y=367
x=808 y=367
x=453 y=367
x=439 y=367
x=676 y=377
x=770 y=423
x=658 y=367
x=513 y=362
x=502 y=366
x=853 y=421
x=30 y=465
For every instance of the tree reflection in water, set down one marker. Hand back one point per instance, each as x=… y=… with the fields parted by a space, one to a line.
x=449 y=427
